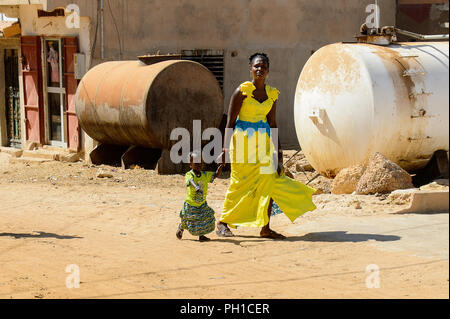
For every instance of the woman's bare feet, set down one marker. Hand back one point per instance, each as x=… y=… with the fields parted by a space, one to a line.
x=223 y=230
x=203 y=238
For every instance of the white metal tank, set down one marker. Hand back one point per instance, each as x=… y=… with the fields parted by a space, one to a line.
x=354 y=99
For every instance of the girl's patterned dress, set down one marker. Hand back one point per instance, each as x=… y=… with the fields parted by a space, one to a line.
x=196 y=216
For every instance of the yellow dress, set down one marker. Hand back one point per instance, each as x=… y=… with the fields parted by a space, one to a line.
x=254 y=179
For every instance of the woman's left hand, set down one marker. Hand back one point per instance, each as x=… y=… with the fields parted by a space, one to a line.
x=280 y=168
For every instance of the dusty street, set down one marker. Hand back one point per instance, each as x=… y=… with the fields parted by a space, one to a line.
x=120 y=232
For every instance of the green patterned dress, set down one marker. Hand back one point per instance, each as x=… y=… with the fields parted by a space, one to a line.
x=196 y=216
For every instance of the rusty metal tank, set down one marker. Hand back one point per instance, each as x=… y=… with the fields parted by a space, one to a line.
x=354 y=99
x=131 y=103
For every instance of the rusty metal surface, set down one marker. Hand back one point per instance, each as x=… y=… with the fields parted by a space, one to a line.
x=130 y=103
x=152 y=59
x=356 y=99
x=375 y=39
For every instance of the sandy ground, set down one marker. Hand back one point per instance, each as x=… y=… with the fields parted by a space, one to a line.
x=120 y=234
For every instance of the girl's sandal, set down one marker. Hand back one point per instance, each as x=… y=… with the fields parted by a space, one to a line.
x=179 y=233
x=203 y=238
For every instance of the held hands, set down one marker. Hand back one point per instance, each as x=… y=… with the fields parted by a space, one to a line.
x=222 y=157
x=219 y=170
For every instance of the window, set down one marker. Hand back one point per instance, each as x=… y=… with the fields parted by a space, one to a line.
x=211 y=59
x=55 y=92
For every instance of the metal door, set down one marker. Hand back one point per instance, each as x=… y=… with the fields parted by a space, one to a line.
x=32 y=87
x=12 y=98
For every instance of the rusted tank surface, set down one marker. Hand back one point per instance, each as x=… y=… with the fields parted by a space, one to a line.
x=131 y=103
x=354 y=99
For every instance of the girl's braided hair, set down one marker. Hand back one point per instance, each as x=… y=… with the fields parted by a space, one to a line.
x=259 y=55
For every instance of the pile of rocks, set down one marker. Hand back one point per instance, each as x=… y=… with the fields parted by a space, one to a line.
x=379 y=175
x=298 y=163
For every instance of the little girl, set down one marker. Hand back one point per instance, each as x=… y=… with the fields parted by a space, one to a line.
x=196 y=216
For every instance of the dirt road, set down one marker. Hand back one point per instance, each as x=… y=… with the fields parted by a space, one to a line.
x=120 y=234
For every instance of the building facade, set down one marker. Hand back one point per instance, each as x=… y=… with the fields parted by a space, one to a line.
x=224 y=33
x=42 y=77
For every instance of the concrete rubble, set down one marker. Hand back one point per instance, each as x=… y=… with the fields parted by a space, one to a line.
x=14 y=152
x=303 y=164
x=347 y=179
x=378 y=175
x=43 y=154
x=419 y=202
x=382 y=176
x=430 y=198
x=103 y=174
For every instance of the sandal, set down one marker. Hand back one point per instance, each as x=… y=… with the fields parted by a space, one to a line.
x=223 y=231
x=273 y=235
x=179 y=233
x=203 y=238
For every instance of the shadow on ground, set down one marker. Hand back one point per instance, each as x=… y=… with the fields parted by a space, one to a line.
x=437 y=212
x=343 y=236
x=331 y=236
x=38 y=235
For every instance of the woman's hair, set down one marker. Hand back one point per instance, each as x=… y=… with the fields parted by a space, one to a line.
x=259 y=55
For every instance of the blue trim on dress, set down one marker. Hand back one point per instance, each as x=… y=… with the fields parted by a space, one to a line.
x=254 y=126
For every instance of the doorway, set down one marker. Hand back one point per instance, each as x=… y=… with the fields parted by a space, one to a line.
x=55 y=92
x=12 y=101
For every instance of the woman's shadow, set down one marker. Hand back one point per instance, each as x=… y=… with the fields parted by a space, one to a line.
x=330 y=236
x=343 y=236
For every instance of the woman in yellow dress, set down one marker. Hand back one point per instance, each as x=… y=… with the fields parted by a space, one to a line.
x=255 y=178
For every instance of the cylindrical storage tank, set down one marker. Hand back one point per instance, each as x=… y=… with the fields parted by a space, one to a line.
x=131 y=103
x=355 y=99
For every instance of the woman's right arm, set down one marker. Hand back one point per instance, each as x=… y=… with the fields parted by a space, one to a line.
x=233 y=111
